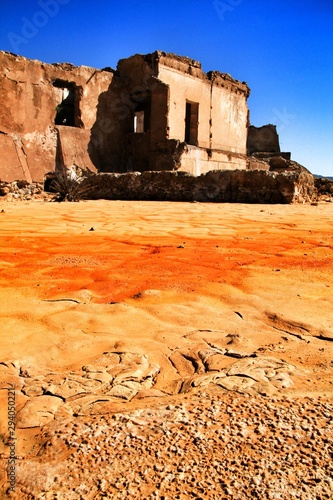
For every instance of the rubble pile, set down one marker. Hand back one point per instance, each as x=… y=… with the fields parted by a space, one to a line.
x=23 y=191
x=324 y=188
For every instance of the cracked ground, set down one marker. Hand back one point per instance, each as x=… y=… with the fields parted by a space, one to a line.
x=178 y=350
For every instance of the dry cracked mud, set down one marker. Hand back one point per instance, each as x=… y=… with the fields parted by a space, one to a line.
x=167 y=350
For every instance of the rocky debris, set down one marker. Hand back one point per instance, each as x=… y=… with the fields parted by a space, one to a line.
x=279 y=164
x=254 y=163
x=10 y=375
x=324 y=188
x=214 y=445
x=23 y=191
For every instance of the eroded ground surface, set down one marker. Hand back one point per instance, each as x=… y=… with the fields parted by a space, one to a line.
x=167 y=350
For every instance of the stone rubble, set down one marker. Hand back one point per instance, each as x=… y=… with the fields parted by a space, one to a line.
x=23 y=191
x=324 y=189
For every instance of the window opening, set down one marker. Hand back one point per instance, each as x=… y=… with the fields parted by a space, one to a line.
x=142 y=112
x=139 y=122
x=191 y=123
x=65 y=110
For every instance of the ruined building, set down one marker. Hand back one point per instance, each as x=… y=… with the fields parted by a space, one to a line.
x=154 y=112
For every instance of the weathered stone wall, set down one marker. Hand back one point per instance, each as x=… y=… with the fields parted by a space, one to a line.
x=169 y=82
x=198 y=161
x=253 y=163
x=29 y=100
x=263 y=139
x=238 y=186
x=222 y=114
x=229 y=114
x=12 y=166
x=58 y=115
x=184 y=87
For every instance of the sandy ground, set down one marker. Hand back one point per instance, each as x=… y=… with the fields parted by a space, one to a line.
x=163 y=283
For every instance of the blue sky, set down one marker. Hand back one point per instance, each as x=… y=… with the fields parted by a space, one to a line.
x=283 y=49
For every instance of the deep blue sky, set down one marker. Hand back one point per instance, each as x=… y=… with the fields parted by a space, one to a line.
x=283 y=49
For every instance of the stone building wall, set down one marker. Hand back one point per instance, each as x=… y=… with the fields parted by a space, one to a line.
x=155 y=112
x=30 y=91
x=263 y=139
x=263 y=146
x=198 y=121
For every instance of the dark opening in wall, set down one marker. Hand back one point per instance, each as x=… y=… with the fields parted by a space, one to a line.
x=142 y=116
x=139 y=122
x=67 y=109
x=191 y=123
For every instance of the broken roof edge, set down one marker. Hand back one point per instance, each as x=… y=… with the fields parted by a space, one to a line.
x=217 y=76
x=183 y=59
x=154 y=57
x=180 y=63
x=191 y=67
x=63 y=65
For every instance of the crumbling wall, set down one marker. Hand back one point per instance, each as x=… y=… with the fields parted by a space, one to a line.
x=254 y=163
x=198 y=121
x=197 y=161
x=156 y=112
x=237 y=186
x=11 y=166
x=222 y=115
x=72 y=148
x=229 y=114
x=145 y=149
x=108 y=145
x=263 y=139
x=31 y=93
x=183 y=88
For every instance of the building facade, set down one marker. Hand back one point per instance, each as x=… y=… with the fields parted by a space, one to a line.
x=154 y=112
